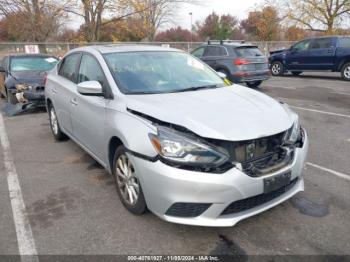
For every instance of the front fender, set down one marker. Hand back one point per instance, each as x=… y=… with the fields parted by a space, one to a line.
x=132 y=130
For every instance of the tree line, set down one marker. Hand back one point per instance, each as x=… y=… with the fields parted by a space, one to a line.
x=141 y=20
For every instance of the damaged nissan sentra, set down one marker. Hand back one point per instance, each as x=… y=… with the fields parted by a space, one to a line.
x=22 y=79
x=177 y=139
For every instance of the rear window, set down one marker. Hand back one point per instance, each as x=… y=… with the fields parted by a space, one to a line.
x=344 y=42
x=248 y=51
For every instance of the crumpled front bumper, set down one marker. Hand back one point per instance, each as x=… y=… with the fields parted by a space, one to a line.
x=164 y=186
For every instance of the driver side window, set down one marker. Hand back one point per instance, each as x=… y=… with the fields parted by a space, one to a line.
x=302 y=46
x=90 y=70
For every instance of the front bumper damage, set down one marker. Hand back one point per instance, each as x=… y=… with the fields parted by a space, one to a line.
x=209 y=199
x=27 y=97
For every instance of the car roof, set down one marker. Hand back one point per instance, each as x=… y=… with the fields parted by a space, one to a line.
x=229 y=44
x=113 y=48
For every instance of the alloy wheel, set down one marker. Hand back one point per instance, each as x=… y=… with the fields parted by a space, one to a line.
x=276 y=69
x=126 y=180
x=347 y=72
x=53 y=119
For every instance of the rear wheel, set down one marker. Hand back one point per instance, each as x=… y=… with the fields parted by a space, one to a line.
x=127 y=183
x=55 y=127
x=296 y=73
x=345 y=72
x=277 y=68
x=254 y=84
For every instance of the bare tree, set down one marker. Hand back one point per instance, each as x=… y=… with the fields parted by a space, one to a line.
x=157 y=13
x=32 y=20
x=319 y=15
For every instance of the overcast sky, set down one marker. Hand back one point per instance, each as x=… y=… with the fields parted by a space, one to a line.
x=238 y=8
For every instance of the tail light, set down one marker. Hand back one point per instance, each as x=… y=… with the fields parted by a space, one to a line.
x=240 y=61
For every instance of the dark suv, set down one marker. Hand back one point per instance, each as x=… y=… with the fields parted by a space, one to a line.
x=329 y=53
x=241 y=62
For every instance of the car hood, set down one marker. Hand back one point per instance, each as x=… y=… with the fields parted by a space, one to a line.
x=29 y=77
x=234 y=113
x=281 y=51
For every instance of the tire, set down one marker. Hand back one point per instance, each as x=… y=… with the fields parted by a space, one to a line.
x=277 y=68
x=55 y=127
x=254 y=84
x=297 y=73
x=127 y=183
x=345 y=72
x=11 y=98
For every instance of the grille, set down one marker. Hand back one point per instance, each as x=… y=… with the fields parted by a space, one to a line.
x=269 y=163
x=187 y=209
x=251 y=202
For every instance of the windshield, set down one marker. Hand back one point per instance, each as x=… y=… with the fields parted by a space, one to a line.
x=248 y=51
x=32 y=63
x=160 y=72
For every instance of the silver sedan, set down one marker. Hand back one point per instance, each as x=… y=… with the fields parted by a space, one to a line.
x=178 y=139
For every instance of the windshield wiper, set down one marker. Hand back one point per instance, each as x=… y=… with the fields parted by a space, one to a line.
x=195 y=88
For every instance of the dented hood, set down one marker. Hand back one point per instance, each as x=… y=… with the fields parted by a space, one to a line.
x=232 y=113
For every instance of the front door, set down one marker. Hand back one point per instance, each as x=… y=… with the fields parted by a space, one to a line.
x=298 y=56
x=88 y=112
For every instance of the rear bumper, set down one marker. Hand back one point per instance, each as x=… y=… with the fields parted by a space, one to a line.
x=243 y=77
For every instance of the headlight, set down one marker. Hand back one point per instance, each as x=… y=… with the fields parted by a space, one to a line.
x=293 y=133
x=180 y=148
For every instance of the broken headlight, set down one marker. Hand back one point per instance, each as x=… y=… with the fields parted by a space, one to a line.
x=182 y=149
x=294 y=133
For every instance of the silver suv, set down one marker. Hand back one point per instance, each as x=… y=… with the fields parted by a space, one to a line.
x=175 y=137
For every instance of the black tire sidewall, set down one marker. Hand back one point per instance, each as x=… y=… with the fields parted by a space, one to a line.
x=140 y=207
x=255 y=84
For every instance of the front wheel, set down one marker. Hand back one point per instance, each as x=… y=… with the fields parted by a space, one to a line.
x=254 y=84
x=127 y=183
x=55 y=127
x=345 y=72
x=277 y=68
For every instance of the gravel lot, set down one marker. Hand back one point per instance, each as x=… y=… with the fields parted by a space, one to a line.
x=72 y=206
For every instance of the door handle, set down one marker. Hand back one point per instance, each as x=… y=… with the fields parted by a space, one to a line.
x=54 y=90
x=74 y=101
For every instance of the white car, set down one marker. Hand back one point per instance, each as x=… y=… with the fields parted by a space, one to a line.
x=177 y=139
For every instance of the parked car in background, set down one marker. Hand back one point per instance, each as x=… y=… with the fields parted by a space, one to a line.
x=329 y=53
x=239 y=61
x=175 y=137
x=22 y=77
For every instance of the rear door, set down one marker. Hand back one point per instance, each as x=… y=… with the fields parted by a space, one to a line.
x=297 y=58
x=63 y=90
x=214 y=55
x=88 y=112
x=322 y=54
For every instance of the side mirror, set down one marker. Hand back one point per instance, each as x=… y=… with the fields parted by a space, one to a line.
x=2 y=69
x=222 y=75
x=90 y=88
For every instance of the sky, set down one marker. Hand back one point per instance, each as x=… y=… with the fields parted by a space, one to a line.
x=239 y=8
